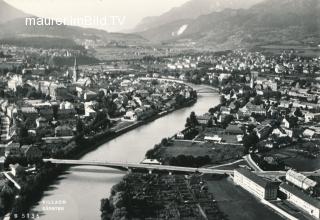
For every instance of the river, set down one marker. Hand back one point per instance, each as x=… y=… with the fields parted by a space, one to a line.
x=79 y=190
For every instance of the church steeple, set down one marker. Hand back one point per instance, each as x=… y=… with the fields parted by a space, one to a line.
x=75 y=71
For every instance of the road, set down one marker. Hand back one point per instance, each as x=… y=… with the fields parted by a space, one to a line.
x=203 y=89
x=128 y=166
x=170 y=169
x=251 y=163
x=12 y=180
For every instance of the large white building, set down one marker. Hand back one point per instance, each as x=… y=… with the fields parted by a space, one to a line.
x=14 y=82
x=256 y=185
x=300 y=180
x=302 y=200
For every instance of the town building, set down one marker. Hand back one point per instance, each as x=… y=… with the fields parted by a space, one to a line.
x=300 y=199
x=204 y=119
x=300 y=180
x=259 y=187
x=75 y=75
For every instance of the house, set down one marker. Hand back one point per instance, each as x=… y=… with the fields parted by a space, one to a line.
x=310 y=117
x=249 y=109
x=280 y=132
x=285 y=123
x=89 y=95
x=215 y=139
x=66 y=114
x=263 y=131
x=130 y=116
x=46 y=112
x=180 y=136
x=151 y=162
x=300 y=180
x=308 y=133
x=15 y=81
x=143 y=93
x=17 y=169
x=232 y=106
x=225 y=110
x=265 y=144
x=41 y=122
x=204 y=119
x=256 y=185
x=29 y=112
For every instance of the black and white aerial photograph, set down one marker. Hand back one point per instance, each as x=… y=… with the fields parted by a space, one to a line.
x=159 y=109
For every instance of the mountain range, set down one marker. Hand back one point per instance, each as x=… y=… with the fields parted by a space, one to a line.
x=13 y=25
x=191 y=10
x=7 y=12
x=270 y=21
x=216 y=24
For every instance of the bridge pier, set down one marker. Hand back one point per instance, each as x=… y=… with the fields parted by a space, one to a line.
x=170 y=173
x=129 y=170
x=150 y=171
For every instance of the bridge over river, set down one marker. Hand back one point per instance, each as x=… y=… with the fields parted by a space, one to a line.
x=169 y=169
x=199 y=88
x=132 y=166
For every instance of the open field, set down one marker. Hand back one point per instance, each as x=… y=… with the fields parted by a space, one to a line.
x=303 y=50
x=217 y=152
x=233 y=200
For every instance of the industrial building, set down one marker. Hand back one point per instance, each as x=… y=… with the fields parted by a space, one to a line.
x=302 y=200
x=300 y=180
x=256 y=185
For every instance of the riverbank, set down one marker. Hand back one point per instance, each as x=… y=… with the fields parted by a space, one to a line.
x=79 y=147
x=94 y=183
x=97 y=141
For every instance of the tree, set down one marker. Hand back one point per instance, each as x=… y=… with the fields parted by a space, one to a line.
x=193 y=119
x=223 y=100
x=7 y=197
x=164 y=142
x=180 y=99
x=257 y=100
x=293 y=121
x=154 y=82
x=210 y=123
x=250 y=141
x=227 y=120
x=188 y=123
x=298 y=112
x=80 y=127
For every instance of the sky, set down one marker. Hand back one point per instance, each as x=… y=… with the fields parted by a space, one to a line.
x=111 y=15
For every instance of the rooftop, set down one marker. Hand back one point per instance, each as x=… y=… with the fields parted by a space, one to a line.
x=255 y=178
x=300 y=194
x=302 y=178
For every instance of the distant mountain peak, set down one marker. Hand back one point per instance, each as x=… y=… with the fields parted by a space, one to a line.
x=270 y=21
x=191 y=10
x=8 y=12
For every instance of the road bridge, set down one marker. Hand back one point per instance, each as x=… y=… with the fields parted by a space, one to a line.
x=198 y=88
x=132 y=166
x=170 y=169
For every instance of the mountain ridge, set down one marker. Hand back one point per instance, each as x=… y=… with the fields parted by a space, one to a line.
x=191 y=10
x=13 y=25
x=268 y=21
x=7 y=12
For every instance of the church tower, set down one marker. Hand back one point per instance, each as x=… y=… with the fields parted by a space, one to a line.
x=251 y=82
x=253 y=79
x=75 y=75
